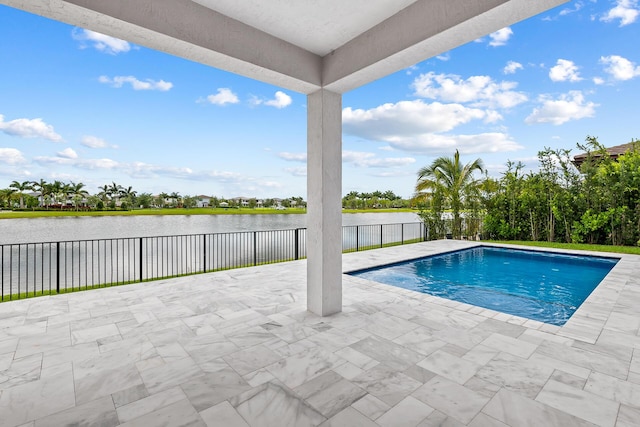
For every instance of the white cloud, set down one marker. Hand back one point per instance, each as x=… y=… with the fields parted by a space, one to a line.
x=293 y=157
x=29 y=128
x=95 y=142
x=569 y=106
x=101 y=42
x=576 y=7
x=500 y=37
x=280 y=100
x=444 y=57
x=222 y=97
x=148 y=84
x=369 y=160
x=404 y=118
x=11 y=156
x=437 y=144
x=68 y=153
x=598 y=80
x=297 y=171
x=481 y=91
x=512 y=67
x=627 y=11
x=564 y=71
x=620 y=68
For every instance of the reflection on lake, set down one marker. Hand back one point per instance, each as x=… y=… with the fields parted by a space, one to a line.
x=82 y=228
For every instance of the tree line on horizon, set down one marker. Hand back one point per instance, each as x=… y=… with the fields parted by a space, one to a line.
x=597 y=203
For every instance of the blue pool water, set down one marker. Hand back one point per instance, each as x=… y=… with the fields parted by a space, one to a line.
x=543 y=286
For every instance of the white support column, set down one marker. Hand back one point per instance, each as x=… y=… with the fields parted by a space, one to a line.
x=324 y=207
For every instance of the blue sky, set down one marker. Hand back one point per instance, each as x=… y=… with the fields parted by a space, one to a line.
x=80 y=106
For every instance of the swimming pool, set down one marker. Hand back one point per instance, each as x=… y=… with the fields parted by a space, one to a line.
x=544 y=286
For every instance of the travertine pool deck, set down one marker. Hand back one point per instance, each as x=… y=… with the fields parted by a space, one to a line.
x=238 y=348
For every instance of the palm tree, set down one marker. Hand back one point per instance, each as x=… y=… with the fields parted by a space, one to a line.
x=175 y=198
x=116 y=191
x=20 y=188
x=448 y=179
x=55 y=189
x=6 y=195
x=129 y=194
x=40 y=187
x=77 y=192
x=105 y=193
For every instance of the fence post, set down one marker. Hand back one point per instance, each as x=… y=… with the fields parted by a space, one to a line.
x=426 y=232
x=402 y=233
x=140 y=257
x=204 y=253
x=380 y=235
x=58 y=267
x=357 y=238
x=255 y=248
x=296 y=243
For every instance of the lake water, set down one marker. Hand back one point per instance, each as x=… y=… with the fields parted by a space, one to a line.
x=26 y=230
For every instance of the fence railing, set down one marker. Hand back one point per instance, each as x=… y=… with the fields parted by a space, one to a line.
x=31 y=269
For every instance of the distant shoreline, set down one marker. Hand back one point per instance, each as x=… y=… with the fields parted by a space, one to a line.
x=180 y=211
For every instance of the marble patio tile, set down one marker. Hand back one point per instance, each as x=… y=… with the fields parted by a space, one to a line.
x=439 y=419
x=149 y=404
x=349 y=417
x=251 y=359
x=293 y=332
x=480 y=354
x=387 y=384
x=348 y=370
x=8 y=345
x=173 y=332
x=388 y=352
x=449 y=366
x=516 y=410
x=329 y=393
x=259 y=377
x=620 y=322
x=579 y=403
x=179 y=414
x=171 y=352
x=419 y=374
x=358 y=359
x=129 y=395
x=371 y=406
x=5 y=361
x=460 y=337
x=334 y=339
x=482 y=387
x=21 y=371
x=216 y=346
x=212 y=388
x=388 y=326
x=100 y=412
x=613 y=389
x=222 y=414
x=250 y=337
x=560 y=365
x=104 y=382
x=503 y=328
x=451 y=398
x=170 y=374
x=420 y=340
x=37 y=399
x=97 y=321
x=301 y=367
x=38 y=343
x=516 y=374
x=273 y=404
x=536 y=337
x=80 y=336
x=407 y=413
x=585 y=359
x=619 y=338
x=628 y=416
x=568 y=379
x=214 y=365
x=26 y=330
x=635 y=361
x=483 y=420
x=70 y=354
x=510 y=345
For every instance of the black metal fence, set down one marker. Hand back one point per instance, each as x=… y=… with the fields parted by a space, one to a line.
x=31 y=269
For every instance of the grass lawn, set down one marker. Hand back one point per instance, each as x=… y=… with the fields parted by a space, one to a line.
x=180 y=211
x=634 y=250
x=172 y=211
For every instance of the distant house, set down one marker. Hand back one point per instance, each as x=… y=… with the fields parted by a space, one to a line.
x=614 y=153
x=224 y=204
x=203 y=201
